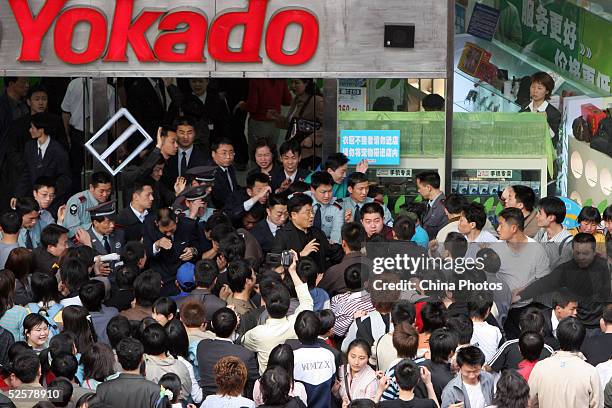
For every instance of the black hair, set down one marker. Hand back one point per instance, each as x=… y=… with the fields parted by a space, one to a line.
x=26 y=205
x=354 y=235
x=430 y=178
x=475 y=212
x=172 y=382
x=100 y=177
x=353 y=277
x=433 y=102
x=307 y=270
x=607 y=314
x=607 y=214
x=442 y=343
x=147 y=287
x=42 y=120
x=362 y=403
x=297 y=202
x=321 y=178
x=224 y=322
x=220 y=231
x=257 y=178
x=403 y=312
x=34 y=89
x=372 y=208
x=73 y=274
x=232 y=247
x=562 y=298
x=433 y=315
x=129 y=353
x=407 y=374
x=178 y=341
x=553 y=206
x=276 y=199
x=404 y=228
x=277 y=302
x=183 y=121
x=327 y=319
x=532 y=320
x=263 y=142
x=25 y=366
x=470 y=355
x=455 y=203
x=512 y=391
x=238 y=271
x=92 y=295
x=282 y=356
x=165 y=216
x=531 y=345
x=51 y=234
x=218 y=218
x=524 y=195
x=356 y=178
x=490 y=260
x=10 y=222
x=290 y=146
x=546 y=81
x=117 y=329
x=275 y=386
x=165 y=306
x=44 y=287
x=479 y=305
x=206 y=271
x=584 y=238
x=88 y=399
x=335 y=160
x=126 y=275
x=307 y=327
x=77 y=321
x=154 y=339
x=361 y=344
x=589 y=213
x=462 y=326
x=513 y=216
x=43 y=181
x=570 y=333
x=64 y=389
x=214 y=146
x=456 y=244
x=65 y=365
x=31 y=321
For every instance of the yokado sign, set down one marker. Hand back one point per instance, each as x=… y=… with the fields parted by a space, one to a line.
x=186 y=30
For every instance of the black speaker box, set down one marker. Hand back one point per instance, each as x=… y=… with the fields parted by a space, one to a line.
x=399 y=35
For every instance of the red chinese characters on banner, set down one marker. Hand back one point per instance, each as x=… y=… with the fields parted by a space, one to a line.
x=187 y=29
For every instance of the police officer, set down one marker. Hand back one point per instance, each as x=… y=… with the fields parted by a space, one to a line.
x=358 y=187
x=203 y=176
x=329 y=216
x=105 y=239
x=99 y=192
x=192 y=203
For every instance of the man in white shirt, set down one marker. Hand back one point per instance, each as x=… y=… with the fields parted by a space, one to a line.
x=471 y=223
x=555 y=238
x=485 y=336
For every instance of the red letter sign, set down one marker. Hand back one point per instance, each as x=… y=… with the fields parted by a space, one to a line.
x=124 y=30
x=276 y=34
x=252 y=20
x=32 y=29
x=64 y=30
x=193 y=37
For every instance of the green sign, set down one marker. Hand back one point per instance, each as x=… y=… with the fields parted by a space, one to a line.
x=572 y=39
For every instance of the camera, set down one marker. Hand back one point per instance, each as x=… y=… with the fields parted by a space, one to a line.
x=286 y=259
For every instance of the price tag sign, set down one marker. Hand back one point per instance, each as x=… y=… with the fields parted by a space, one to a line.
x=494 y=174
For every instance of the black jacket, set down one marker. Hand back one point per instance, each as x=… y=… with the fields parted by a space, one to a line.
x=211 y=351
x=198 y=158
x=221 y=188
x=553 y=117
x=234 y=205
x=290 y=237
x=167 y=262
x=277 y=176
x=263 y=235
x=145 y=105
x=132 y=227
x=55 y=164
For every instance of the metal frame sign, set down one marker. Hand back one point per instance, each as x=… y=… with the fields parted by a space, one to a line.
x=253 y=38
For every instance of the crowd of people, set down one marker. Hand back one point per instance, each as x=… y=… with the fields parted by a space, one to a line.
x=172 y=285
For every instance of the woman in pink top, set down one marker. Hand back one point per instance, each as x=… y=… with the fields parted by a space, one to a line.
x=357 y=378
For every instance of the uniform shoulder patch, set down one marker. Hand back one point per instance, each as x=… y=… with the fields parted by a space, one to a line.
x=82 y=199
x=73 y=209
x=337 y=205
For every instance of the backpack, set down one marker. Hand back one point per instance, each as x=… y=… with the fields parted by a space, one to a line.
x=602 y=141
x=49 y=315
x=581 y=131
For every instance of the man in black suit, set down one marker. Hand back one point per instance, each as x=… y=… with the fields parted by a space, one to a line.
x=225 y=177
x=250 y=199
x=266 y=229
x=285 y=175
x=210 y=351
x=188 y=155
x=428 y=184
x=169 y=241
x=299 y=234
x=43 y=156
x=146 y=101
x=132 y=218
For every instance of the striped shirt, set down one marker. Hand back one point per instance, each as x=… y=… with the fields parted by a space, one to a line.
x=12 y=320
x=392 y=391
x=344 y=307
